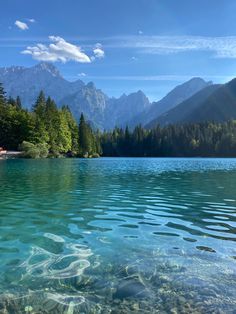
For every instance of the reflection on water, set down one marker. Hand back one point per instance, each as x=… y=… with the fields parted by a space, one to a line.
x=118 y=235
x=44 y=264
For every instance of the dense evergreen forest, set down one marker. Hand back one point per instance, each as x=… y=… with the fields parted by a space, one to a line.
x=47 y=131
x=192 y=140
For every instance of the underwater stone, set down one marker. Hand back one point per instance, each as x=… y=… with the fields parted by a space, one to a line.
x=135 y=307
x=130 y=289
x=28 y=309
x=205 y=248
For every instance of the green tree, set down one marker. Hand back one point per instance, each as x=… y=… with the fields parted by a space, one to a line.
x=73 y=128
x=40 y=134
x=18 y=102
x=2 y=96
x=87 y=142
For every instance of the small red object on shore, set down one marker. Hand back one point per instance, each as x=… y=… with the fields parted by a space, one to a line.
x=2 y=151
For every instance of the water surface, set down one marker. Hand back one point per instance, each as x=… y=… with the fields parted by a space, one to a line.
x=118 y=236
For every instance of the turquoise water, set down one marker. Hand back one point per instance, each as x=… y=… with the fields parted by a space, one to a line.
x=118 y=236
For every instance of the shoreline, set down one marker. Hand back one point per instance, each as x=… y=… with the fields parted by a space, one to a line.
x=18 y=155
x=10 y=154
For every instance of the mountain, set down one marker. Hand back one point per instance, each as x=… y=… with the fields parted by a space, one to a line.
x=99 y=109
x=28 y=82
x=91 y=101
x=215 y=103
x=183 y=111
x=123 y=109
x=171 y=100
x=219 y=106
x=195 y=100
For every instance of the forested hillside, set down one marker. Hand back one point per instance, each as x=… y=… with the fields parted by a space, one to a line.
x=47 y=131
x=189 y=140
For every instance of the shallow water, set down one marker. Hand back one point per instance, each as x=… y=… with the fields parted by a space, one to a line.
x=118 y=236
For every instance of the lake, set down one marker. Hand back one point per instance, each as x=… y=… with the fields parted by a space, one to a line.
x=118 y=235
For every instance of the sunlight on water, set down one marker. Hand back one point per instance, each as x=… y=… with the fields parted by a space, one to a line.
x=44 y=264
x=121 y=235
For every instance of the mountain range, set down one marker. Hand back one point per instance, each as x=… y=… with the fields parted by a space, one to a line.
x=214 y=103
x=193 y=101
x=171 y=100
x=102 y=111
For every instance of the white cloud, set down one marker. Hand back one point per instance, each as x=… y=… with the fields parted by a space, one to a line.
x=31 y=20
x=216 y=47
x=134 y=58
x=82 y=74
x=58 y=50
x=21 y=25
x=169 y=78
x=140 y=32
x=220 y=47
x=98 y=51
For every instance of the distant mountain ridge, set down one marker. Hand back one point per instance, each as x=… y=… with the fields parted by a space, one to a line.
x=123 y=109
x=28 y=82
x=214 y=103
x=102 y=111
x=179 y=94
x=194 y=100
x=181 y=112
x=220 y=106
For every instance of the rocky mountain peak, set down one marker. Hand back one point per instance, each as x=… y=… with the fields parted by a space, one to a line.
x=91 y=85
x=49 y=67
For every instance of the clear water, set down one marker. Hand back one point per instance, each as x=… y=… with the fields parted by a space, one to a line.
x=118 y=236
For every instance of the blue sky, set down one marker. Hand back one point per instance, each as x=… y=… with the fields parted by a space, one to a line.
x=123 y=45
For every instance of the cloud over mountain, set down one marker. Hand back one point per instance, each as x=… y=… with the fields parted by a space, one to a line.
x=58 y=50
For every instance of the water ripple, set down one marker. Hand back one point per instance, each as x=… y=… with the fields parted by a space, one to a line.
x=127 y=235
x=46 y=265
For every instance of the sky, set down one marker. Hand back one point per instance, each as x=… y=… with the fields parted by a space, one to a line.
x=123 y=45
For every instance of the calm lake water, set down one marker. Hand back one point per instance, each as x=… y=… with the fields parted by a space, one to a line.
x=118 y=236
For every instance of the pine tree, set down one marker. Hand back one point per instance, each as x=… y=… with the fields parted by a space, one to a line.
x=52 y=125
x=18 y=102
x=86 y=140
x=11 y=101
x=40 y=134
x=40 y=106
x=2 y=96
x=73 y=127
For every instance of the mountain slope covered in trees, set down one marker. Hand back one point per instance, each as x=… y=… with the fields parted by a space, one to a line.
x=214 y=103
x=220 y=106
x=180 y=113
x=49 y=131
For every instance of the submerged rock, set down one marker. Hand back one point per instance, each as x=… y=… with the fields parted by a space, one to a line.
x=129 y=289
x=206 y=249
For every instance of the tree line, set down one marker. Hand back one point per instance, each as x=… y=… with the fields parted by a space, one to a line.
x=44 y=131
x=207 y=139
x=49 y=131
